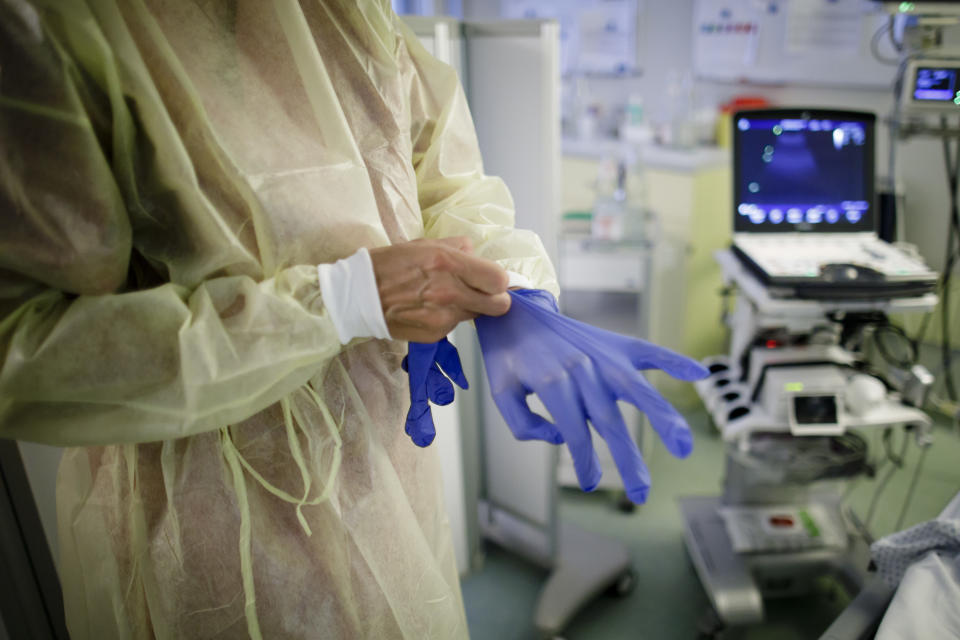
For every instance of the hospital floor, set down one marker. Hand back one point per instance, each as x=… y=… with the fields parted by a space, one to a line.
x=668 y=601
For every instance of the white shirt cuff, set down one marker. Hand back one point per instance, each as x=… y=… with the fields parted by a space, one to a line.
x=519 y=280
x=350 y=295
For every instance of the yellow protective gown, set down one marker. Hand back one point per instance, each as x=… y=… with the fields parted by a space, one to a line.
x=171 y=173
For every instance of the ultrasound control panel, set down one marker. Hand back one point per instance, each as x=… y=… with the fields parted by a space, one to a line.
x=813 y=257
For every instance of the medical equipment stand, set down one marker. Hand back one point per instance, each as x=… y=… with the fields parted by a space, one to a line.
x=519 y=513
x=736 y=582
x=583 y=565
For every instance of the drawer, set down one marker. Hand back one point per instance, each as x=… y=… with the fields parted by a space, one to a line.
x=614 y=270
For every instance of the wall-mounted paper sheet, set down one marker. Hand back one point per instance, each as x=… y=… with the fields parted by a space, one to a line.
x=824 y=26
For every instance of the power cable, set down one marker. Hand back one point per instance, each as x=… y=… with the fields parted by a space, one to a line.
x=952 y=162
x=913 y=486
x=875 y=43
x=888 y=328
x=881 y=487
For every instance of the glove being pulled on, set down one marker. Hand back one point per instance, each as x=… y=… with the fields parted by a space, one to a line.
x=579 y=372
x=428 y=382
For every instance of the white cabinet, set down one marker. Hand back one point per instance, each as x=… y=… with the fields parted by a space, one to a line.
x=587 y=265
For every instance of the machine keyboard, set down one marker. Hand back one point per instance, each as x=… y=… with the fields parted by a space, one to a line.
x=804 y=256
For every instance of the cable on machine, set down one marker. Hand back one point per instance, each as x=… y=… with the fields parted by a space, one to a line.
x=913 y=486
x=952 y=162
x=898 y=462
x=875 y=43
x=893 y=344
x=885 y=350
x=951 y=260
x=804 y=460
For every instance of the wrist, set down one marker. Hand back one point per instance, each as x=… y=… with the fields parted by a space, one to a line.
x=519 y=281
x=351 y=298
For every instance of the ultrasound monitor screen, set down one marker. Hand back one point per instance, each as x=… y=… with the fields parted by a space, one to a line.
x=815 y=410
x=810 y=171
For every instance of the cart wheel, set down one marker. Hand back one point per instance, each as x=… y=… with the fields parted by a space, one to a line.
x=625 y=583
x=625 y=505
x=710 y=626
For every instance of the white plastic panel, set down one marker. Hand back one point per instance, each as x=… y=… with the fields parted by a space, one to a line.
x=513 y=89
x=520 y=476
x=595 y=270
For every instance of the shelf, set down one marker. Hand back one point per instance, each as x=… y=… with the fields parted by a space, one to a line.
x=652 y=156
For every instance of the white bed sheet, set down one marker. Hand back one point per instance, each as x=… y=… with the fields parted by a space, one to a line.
x=926 y=604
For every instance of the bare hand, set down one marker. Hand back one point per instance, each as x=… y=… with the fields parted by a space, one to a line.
x=428 y=287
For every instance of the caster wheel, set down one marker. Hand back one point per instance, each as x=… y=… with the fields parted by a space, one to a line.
x=624 y=505
x=710 y=626
x=625 y=583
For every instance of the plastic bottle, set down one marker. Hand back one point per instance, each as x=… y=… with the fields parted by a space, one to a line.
x=610 y=208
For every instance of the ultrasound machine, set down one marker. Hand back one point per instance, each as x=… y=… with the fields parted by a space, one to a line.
x=800 y=389
x=806 y=221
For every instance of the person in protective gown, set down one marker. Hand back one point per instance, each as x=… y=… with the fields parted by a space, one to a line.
x=172 y=174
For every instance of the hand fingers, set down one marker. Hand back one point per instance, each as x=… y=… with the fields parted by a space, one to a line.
x=439 y=388
x=483 y=275
x=449 y=361
x=601 y=406
x=427 y=287
x=452 y=290
x=440 y=312
x=525 y=424
x=562 y=400
x=424 y=325
x=460 y=243
x=665 y=420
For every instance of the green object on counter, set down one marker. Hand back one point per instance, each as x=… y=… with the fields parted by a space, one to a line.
x=812 y=529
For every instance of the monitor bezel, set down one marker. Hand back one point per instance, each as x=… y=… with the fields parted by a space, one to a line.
x=818 y=428
x=908 y=99
x=869 y=120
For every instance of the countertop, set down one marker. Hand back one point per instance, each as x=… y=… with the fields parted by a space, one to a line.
x=652 y=155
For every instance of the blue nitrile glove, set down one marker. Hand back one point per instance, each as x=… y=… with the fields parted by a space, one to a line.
x=428 y=382
x=580 y=372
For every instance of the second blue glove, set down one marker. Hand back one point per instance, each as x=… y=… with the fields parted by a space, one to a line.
x=428 y=366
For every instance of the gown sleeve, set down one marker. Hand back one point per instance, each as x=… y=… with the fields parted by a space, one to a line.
x=86 y=358
x=456 y=197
